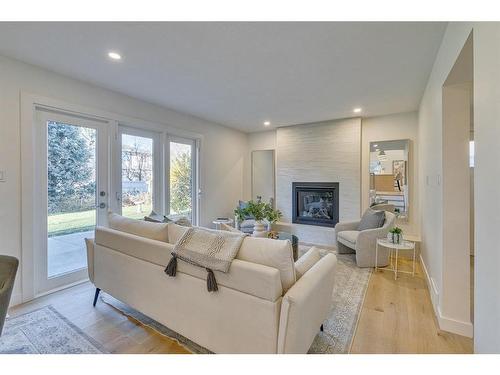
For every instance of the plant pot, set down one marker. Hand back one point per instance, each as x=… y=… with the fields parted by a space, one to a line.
x=259 y=229
x=395 y=238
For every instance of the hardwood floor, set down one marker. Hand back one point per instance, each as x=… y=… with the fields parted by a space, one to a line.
x=396 y=317
x=115 y=331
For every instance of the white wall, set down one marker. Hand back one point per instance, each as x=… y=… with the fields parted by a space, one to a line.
x=431 y=161
x=223 y=150
x=486 y=94
x=386 y=128
x=486 y=187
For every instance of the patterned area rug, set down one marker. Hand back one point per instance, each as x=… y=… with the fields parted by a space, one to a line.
x=45 y=331
x=350 y=287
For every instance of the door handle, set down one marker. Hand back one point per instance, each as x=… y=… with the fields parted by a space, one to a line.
x=102 y=205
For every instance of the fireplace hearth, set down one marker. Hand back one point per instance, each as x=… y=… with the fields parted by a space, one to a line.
x=315 y=203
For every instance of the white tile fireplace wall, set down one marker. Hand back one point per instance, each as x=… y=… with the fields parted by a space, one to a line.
x=327 y=151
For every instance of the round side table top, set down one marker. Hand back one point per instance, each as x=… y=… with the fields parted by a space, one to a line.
x=405 y=245
x=223 y=221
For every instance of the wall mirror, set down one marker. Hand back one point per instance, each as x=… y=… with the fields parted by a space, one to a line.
x=263 y=175
x=389 y=175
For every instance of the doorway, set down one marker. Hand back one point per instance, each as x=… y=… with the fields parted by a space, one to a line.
x=71 y=170
x=456 y=299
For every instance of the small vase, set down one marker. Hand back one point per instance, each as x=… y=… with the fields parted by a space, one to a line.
x=259 y=229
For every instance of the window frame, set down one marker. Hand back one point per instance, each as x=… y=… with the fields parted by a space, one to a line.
x=158 y=178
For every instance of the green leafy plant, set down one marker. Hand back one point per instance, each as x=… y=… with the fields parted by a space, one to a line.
x=271 y=214
x=396 y=230
x=256 y=209
x=259 y=211
x=240 y=213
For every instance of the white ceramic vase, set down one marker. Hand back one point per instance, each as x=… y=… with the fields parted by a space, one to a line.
x=259 y=229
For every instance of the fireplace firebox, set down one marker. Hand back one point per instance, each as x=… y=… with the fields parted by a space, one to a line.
x=315 y=203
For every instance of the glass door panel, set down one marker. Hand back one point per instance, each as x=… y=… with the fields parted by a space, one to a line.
x=181 y=178
x=72 y=195
x=137 y=171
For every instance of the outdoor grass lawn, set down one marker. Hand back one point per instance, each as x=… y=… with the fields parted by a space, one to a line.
x=82 y=221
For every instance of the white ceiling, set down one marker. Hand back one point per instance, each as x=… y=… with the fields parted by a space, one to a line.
x=240 y=74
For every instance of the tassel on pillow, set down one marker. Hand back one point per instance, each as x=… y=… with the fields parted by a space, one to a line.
x=211 y=282
x=171 y=269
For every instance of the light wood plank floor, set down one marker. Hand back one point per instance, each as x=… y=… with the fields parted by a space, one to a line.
x=396 y=317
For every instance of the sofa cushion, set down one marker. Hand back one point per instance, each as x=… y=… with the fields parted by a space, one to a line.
x=273 y=253
x=146 y=229
x=372 y=219
x=254 y=279
x=348 y=237
x=175 y=232
x=153 y=251
x=306 y=261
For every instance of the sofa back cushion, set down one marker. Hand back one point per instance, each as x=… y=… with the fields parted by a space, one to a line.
x=371 y=219
x=250 y=278
x=146 y=229
x=273 y=253
x=175 y=232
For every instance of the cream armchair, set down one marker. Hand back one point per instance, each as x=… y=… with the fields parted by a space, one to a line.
x=349 y=240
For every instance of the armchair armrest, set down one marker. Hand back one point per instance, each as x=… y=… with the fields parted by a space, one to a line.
x=342 y=226
x=305 y=306
x=368 y=238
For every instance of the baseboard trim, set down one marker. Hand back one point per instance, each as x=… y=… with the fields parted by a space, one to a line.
x=455 y=326
x=16 y=299
x=431 y=286
x=445 y=323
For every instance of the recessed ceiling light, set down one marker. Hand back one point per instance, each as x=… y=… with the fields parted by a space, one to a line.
x=114 y=55
x=356 y=110
x=267 y=123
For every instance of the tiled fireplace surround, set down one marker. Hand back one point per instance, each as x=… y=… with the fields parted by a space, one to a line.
x=319 y=152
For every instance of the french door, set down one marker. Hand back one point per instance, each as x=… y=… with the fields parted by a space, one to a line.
x=71 y=167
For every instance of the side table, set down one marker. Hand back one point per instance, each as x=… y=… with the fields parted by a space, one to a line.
x=220 y=221
x=405 y=245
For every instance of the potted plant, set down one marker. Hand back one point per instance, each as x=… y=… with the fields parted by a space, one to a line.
x=259 y=211
x=395 y=235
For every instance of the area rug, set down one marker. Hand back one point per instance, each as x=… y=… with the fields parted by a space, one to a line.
x=45 y=331
x=348 y=294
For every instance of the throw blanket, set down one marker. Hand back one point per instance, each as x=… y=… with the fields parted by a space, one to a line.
x=210 y=249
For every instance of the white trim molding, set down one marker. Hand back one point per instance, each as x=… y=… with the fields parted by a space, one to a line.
x=28 y=104
x=445 y=323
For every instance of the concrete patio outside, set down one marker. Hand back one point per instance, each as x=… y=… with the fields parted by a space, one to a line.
x=67 y=253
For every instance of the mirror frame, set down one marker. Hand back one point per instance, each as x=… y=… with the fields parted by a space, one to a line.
x=406 y=218
x=274 y=174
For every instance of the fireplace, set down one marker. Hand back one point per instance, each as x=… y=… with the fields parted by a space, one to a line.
x=315 y=203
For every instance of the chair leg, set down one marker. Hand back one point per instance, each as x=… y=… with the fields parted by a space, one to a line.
x=97 y=291
x=321 y=328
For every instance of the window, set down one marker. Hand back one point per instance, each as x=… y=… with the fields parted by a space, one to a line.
x=182 y=178
x=139 y=158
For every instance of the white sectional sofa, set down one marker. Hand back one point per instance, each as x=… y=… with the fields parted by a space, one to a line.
x=265 y=303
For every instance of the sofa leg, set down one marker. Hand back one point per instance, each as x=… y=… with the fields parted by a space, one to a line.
x=321 y=328
x=97 y=291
